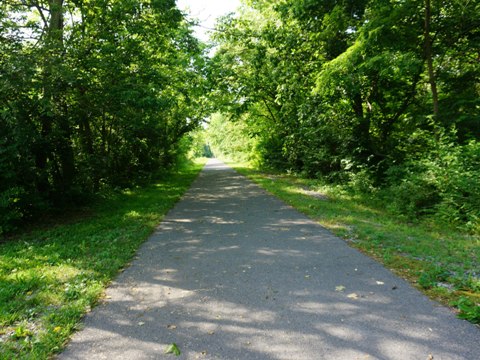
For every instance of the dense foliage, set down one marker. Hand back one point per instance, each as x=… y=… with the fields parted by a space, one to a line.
x=380 y=94
x=93 y=93
x=230 y=140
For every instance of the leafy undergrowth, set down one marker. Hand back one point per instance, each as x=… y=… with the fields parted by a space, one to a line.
x=439 y=260
x=49 y=278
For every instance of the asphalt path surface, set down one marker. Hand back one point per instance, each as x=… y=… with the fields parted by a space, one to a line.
x=234 y=273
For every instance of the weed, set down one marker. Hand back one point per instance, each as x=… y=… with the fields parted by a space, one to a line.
x=469 y=310
x=432 y=277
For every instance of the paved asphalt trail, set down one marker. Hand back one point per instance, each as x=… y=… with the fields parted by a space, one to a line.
x=234 y=273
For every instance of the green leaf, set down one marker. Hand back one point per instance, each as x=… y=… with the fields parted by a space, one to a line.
x=173 y=349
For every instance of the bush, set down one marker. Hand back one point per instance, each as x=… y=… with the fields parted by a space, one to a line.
x=457 y=175
x=443 y=182
x=414 y=194
x=10 y=209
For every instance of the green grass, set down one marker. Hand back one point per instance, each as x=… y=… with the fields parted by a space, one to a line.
x=439 y=260
x=50 y=277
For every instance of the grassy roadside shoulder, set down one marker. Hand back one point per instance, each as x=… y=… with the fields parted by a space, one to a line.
x=49 y=278
x=440 y=261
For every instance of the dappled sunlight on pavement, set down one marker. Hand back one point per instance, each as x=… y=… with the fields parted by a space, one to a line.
x=234 y=273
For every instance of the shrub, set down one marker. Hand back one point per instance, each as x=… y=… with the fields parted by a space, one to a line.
x=412 y=193
x=10 y=209
x=443 y=181
x=457 y=174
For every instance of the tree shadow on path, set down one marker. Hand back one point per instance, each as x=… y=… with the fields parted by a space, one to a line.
x=234 y=273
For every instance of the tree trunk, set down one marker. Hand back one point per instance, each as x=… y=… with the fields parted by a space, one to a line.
x=53 y=51
x=55 y=31
x=55 y=94
x=361 y=132
x=429 y=57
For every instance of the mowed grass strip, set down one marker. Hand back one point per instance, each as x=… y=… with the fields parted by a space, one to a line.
x=439 y=260
x=50 y=278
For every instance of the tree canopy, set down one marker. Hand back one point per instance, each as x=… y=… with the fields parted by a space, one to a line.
x=381 y=94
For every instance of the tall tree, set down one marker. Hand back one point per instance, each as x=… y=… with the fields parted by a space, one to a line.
x=344 y=82
x=96 y=93
x=429 y=56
